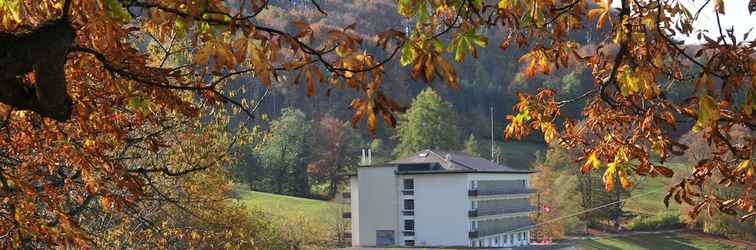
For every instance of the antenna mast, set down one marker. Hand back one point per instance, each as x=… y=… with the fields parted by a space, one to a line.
x=492 y=136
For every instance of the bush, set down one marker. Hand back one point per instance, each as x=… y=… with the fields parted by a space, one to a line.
x=660 y=221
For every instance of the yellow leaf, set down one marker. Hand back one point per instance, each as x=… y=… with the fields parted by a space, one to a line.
x=708 y=112
x=592 y=162
x=624 y=181
x=549 y=132
x=592 y=13
x=611 y=170
x=742 y=166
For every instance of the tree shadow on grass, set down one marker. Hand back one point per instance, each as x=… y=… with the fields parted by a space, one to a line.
x=592 y=244
x=661 y=242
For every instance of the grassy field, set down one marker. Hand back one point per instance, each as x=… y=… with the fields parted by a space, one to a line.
x=657 y=188
x=680 y=241
x=288 y=206
x=520 y=154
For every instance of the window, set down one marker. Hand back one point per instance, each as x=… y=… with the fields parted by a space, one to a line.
x=409 y=225
x=409 y=204
x=507 y=236
x=474 y=226
x=409 y=243
x=496 y=241
x=474 y=205
x=519 y=237
x=409 y=184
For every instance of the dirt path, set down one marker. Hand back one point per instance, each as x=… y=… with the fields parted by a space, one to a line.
x=596 y=234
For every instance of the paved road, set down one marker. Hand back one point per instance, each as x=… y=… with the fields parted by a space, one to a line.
x=531 y=247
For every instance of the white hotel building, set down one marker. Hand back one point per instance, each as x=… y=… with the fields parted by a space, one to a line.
x=439 y=198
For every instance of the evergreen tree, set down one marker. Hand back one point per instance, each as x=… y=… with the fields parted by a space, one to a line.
x=430 y=123
x=472 y=147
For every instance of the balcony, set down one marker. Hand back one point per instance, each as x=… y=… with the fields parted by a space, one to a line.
x=498 y=211
x=408 y=212
x=408 y=191
x=479 y=192
x=408 y=233
x=518 y=225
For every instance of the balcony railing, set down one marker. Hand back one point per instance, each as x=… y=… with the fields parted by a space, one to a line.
x=497 y=211
x=408 y=233
x=408 y=191
x=408 y=212
x=477 y=192
x=516 y=225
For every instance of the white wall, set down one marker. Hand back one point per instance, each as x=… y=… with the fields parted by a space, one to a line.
x=355 y=207
x=378 y=203
x=441 y=207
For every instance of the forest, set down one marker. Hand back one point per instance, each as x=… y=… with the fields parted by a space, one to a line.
x=137 y=124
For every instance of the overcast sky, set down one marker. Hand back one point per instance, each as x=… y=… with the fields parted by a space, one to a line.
x=736 y=15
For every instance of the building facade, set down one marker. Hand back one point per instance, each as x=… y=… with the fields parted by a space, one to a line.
x=439 y=198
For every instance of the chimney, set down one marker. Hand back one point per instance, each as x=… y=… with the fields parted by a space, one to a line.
x=370 y=157
x=362 y=160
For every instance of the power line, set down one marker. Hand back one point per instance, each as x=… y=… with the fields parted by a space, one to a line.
x=586 y=210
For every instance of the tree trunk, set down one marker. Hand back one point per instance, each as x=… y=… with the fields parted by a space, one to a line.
x=42 y=51
x=618 y=206
x=333 y=187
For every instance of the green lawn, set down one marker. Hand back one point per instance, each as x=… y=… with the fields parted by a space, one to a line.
x=682 y=241
x=654 y=202
x=283 y=205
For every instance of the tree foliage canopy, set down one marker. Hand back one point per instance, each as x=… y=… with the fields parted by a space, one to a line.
x=429 y=123
x=286 y=151
x=114 y=75
x=627 y=120
x=472 y=147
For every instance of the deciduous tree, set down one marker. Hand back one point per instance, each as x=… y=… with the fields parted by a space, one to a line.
x=117 y=82
x=285 y=152
x=645 y=52
x=336 y=149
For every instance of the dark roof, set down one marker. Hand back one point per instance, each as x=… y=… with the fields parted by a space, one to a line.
x=455 y=162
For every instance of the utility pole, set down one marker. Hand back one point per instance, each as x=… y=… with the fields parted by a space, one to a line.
x=492 y=136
